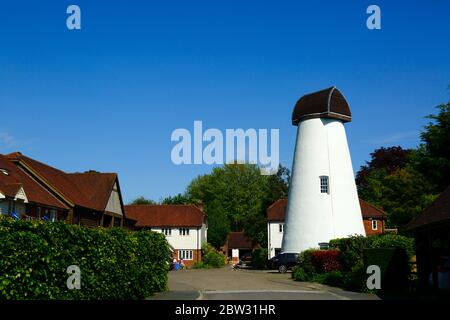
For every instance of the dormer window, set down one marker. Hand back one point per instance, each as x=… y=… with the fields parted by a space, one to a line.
x=4 y=171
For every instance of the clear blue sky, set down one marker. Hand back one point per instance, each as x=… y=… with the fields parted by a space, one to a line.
x=109 y=96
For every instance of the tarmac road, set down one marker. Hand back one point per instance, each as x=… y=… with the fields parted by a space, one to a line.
x=227 y=284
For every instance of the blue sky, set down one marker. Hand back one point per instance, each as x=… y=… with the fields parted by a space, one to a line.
x=107 y=97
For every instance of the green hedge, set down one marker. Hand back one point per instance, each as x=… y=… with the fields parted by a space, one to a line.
x=114 y=263
x=391 y=252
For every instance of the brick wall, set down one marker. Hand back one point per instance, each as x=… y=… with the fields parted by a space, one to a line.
x=196 y=256
x=368 y=226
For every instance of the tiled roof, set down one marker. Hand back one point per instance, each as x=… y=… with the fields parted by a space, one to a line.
x=437 y=212
x=277 y=210
x=238 y=240
x=165 y=215
x=370 y=211
x=89 y=190
x=16 y=178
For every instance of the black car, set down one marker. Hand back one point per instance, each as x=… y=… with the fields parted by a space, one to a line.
x=283 y=261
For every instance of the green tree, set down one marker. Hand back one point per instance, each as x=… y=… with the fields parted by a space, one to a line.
x=236 y=197
x=178 y=199
x=433 y=156
x=142 y=200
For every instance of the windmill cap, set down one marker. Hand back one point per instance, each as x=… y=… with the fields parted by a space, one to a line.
x=327 y=103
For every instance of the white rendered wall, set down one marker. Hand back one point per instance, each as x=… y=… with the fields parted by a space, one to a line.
x=193 y=241
x=275 y=237
x=313 y=217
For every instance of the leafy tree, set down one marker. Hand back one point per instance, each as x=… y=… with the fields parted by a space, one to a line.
x=178 y=199
x=404 y=182
x=236 y=197
x=388 y=159
x=433 y=156
x=142 y=200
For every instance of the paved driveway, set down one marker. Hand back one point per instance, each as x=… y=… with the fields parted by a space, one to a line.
x=227 y=284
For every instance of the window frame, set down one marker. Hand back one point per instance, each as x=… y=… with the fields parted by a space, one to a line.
x=183 y=232
x=324 y=184
x=372 y=224
x=167 y=231
x=186 y=254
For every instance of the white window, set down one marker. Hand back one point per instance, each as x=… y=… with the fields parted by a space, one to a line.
x=167 y=231
x=53 y=215
x=374 y=225
x=185 y=254
x=281 y=227
x=184 y=231
x=324 y=185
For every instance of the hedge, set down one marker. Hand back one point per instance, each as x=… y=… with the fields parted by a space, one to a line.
x=348 y=267
x=114 y=263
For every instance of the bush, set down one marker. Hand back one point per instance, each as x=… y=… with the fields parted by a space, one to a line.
x=325 y=260
x=114 y=263
x=299 y=274
x=259 y=258
x=355 y=256
x=305 y=262
x=335 y=279
x=394 y=267
x=213 y=259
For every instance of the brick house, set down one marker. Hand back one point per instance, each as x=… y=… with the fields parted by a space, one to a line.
x=185 y=227
x=89 y=199
x=374 y=223
x=20 y=194
x=237 y=245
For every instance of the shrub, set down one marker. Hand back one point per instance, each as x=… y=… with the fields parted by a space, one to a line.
x=114 y=263
x=259 y=258
x=214 y=259
x=334 y=278
x=305 y=262
x=299 y=274
x=394 y=267
x=325 y=260
x=351 y=250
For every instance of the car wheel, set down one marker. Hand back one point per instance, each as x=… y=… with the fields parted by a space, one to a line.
x=282 y=269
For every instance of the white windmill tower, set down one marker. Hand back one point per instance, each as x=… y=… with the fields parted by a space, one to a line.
x=323 y=202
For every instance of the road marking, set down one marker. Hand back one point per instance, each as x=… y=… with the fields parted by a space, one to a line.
x=260 y=291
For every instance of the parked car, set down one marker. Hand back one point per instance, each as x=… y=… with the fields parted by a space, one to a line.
x=283 y=261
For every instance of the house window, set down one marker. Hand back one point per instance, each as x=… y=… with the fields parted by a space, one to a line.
x=281 y=228
x=374 y=225
x=184 y=231
x=53 y=216
x=324 y=185
x=167 y=231
x=117 y=222
x=185 y=254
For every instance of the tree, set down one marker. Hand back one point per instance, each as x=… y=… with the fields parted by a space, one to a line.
x=235 y=198
x=141 y=200
x=433 y=155
x=388 y=159
x=178 y=199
